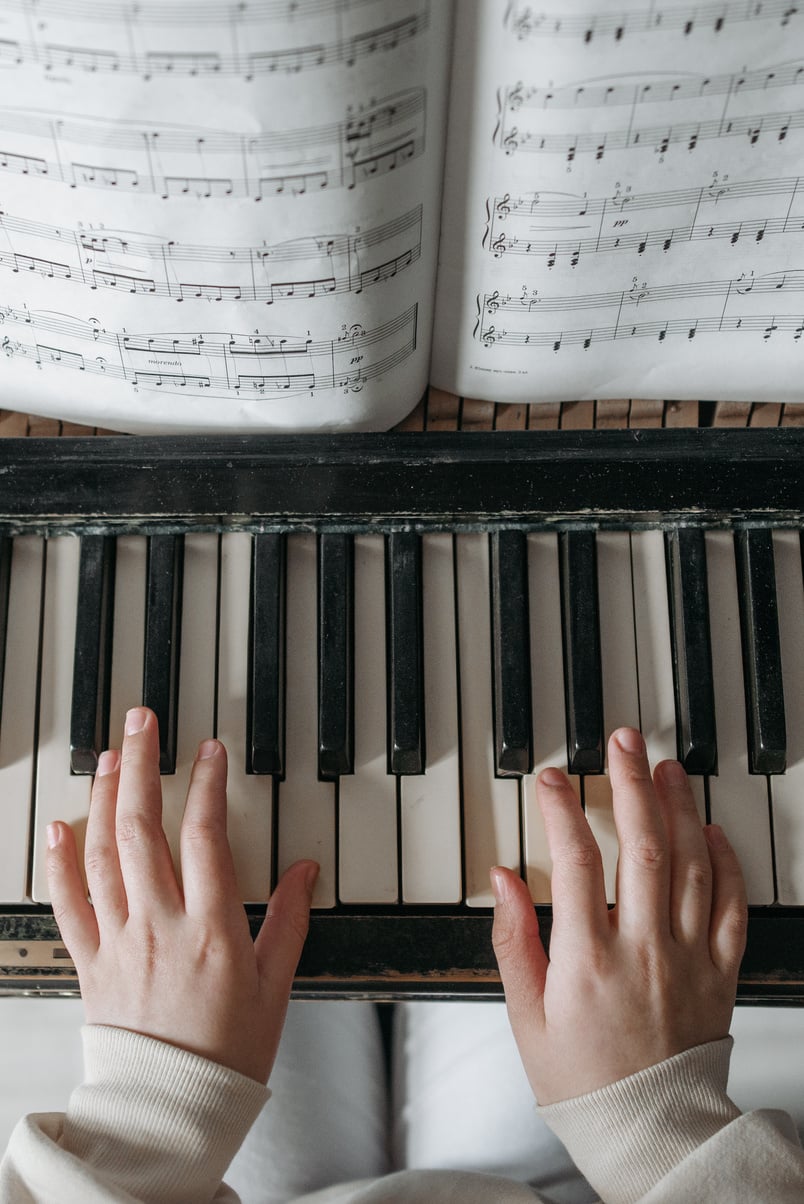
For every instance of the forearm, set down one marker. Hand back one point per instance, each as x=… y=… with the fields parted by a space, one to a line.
x=666 y=1133
x=150 y=1121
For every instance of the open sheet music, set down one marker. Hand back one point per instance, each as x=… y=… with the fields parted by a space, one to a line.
x=276 y=215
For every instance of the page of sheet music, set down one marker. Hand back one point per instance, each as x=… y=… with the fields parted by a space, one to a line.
x=626 y=214
x=219 y=214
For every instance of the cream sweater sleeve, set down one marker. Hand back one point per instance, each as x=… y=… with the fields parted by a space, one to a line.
x=670 y=1134
x=149 y=1122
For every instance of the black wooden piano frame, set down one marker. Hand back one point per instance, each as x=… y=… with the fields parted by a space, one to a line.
x=452 y=481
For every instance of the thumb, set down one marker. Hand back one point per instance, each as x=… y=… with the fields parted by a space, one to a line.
x=284 y=930
x=518 y=947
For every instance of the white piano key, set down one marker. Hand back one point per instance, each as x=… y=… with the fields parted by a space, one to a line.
x=19 y=714
x=490 y=804
x=620 y=689
x=196 y=706
x=59 y=794
x=657 y=707
x=547 y=692
x=430 y=802
x=738 y=800
x=128 y=631
x=306 y=819
x=787 y=789
x=367 y=811
x=250 y=796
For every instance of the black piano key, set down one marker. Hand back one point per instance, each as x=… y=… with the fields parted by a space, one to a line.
x=160 y=688
x=335 y=654
x=6 y=550
x=580 y=623
x=92 y=663
x=688 y=597
x=266 y=694
x=404 y=645
x=762 y=659
x=510 y=629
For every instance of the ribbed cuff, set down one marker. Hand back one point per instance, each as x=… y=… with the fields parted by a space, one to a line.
x=158 y=1121
x=629 y=1135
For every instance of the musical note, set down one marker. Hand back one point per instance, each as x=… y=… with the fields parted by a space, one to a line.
x=382 y=138
x=684 y=213
x=685 y=328
x=340 y=263
x=258 y=42
x=524 y=21
x=638 y=293
x=226 y=365
x=688 y=134
x=650 y=90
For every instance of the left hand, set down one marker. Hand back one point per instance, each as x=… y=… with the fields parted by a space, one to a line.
x=175 y=963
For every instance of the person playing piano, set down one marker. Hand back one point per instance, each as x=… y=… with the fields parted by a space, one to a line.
x=622 y=1032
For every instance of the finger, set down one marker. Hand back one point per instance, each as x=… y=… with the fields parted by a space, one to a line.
x=73 y=914
x=518 y=947
x=690 y=864
x=284 y=930
x=577 y=886
x=643 y=866
x=145 y=860
x=207 y=866
x=728 y=928
x=101 y=860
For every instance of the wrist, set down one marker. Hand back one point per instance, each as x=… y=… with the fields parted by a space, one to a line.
x=140 y=1094
x=629 y=1135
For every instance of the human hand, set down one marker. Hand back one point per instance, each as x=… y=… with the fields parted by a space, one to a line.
x=624 y=988
x=175 y=963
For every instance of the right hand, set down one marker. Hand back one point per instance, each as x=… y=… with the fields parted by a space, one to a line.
x=624 y=988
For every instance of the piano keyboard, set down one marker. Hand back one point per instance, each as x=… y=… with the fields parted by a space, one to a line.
x=493 y=664
x=388 y=681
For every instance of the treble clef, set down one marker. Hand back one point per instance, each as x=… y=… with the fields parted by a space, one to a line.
x=499 y=246
x=489 y=337
x=493 y=301
x=511 y=141
x=515 y=97
x=503 y=206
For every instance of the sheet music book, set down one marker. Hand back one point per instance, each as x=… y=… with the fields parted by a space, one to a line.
x=285 y=215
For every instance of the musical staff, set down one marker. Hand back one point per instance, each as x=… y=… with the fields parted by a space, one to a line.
x=694 y=105
x=732 y=308
x=652 y=90
x=524 y=21
x=641 y=294
x=228 y=365
x=658 y=139
x=175 y=12
x=748 y=212
x=300 y=269
x=172 y=161
x=264 y=50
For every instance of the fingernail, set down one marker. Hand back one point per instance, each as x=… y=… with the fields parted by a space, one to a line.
x=107 y=762
x=552 y=777
x=311 y=876
x=499 y=883
x=207 y=749
x=630 y=740
x=135 y=720
x=53 y=835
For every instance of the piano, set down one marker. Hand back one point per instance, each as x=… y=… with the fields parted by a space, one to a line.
x=392 y=634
